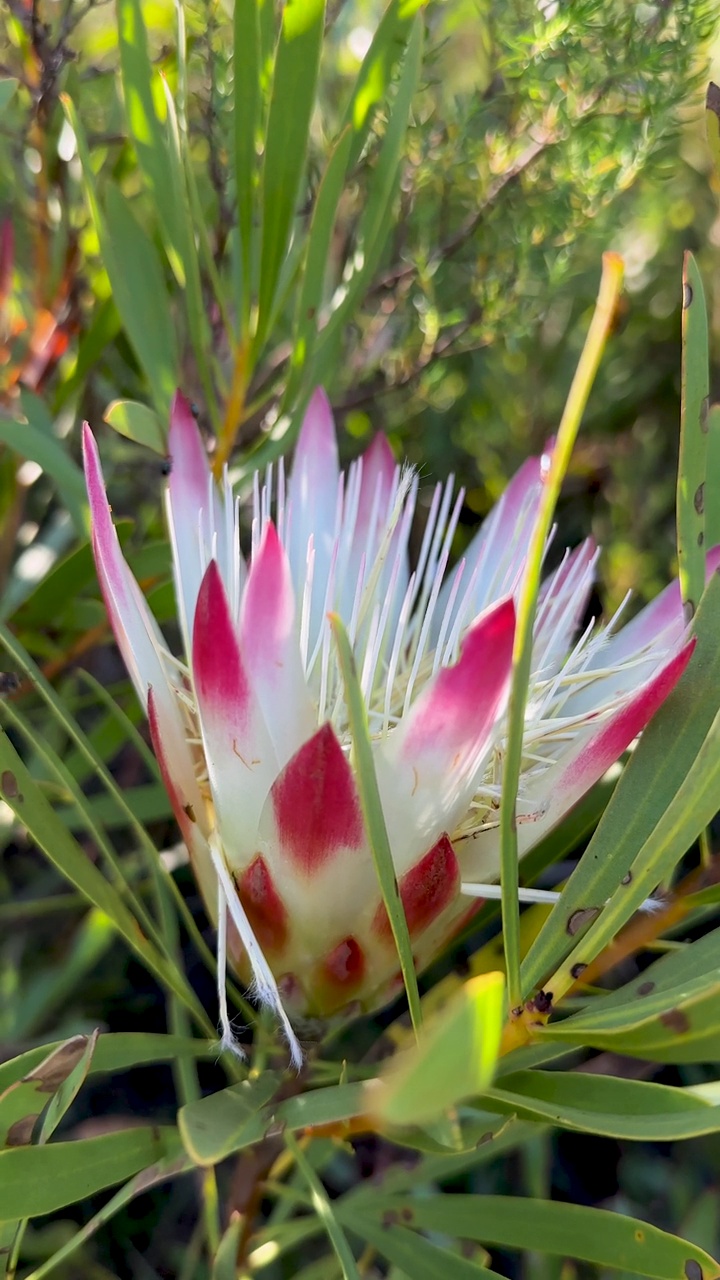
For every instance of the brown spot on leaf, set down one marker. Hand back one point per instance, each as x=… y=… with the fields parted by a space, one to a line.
x=645 y=988
x=407 y=1214
x=577 y=970
x=9 y=785
x=693 y=1270
x=20 y=1133
x=675 y=1020
x=699 y=499
x=700 y=538
x=639 y=1235
x=712 y=102
x=580 y=918
x=705 y=415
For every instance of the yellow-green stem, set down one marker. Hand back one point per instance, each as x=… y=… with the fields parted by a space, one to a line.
x=610 y=286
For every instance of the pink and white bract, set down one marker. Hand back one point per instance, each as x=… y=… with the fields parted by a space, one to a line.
x=251 y=731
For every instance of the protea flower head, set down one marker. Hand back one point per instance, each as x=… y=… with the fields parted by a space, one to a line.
x=250 y=728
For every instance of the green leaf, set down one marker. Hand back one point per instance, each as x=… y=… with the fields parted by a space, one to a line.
x=293 y=98
x=136 y=422
x=371 y=806
x=64 y=582
x=114 y=1052
x=671 y=1013
x=235 y=1118
x=194 y=302
x=62 y=1074
x=37 y=1180
x=22 y=1101
x=8 y=85
x=413 y=1254
x=378 y=67
x=28 y=801
x=167 y=1167
x=153 y=347
x=376 y=220
x=246 y=110
x=225 y=1261
x=29 y=439
x=103 y=327
x=694 y=409
x=310 y=295
x=655 y=814
x=215 y=1126
x=148 y=131
x=143 y=294
x=455 y=1058
x=566 y=1230
x=605 y=1105
x=325 y=1212
x=712 y=481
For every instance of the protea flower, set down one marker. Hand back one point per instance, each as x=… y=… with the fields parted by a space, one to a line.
x=250 y=727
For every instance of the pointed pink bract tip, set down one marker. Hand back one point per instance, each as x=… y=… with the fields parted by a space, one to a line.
x=379 y=455
x=317 y=433
x=180 y=407
x=189 y=474
x=94 y=480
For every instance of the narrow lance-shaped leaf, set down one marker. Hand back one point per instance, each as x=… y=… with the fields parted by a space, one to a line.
x=324 y=1210
x=246 y=104
x=35 y=1180
x=694 y=409
x=671 y=1013
x=150 y=334
x=62 y=1075
x=113 y=1053
x=415 y=1255
x=378 y=65
x=712 y=479
x=310 y=296
x=147 y=130
x=605 y=1105
x=293 y=97
x=566 y=1230
x=28 y=802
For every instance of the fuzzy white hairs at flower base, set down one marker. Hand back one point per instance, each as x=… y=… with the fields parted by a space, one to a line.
x=250 y=727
